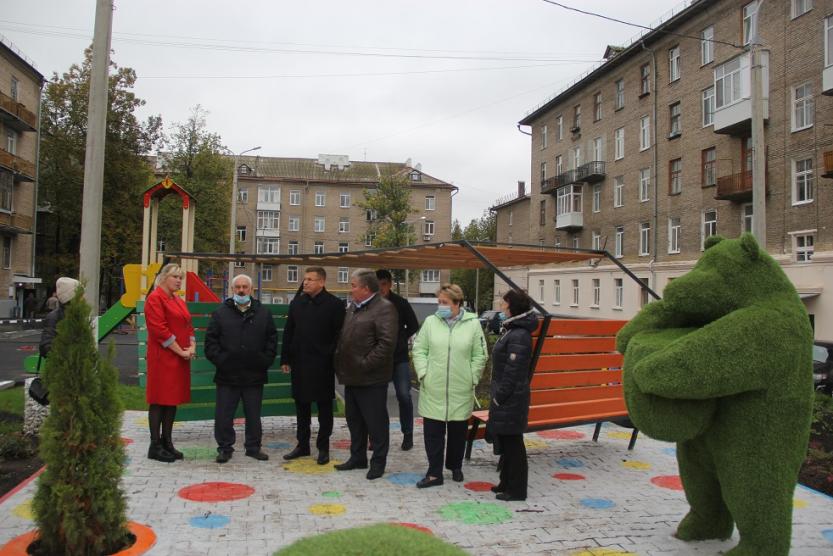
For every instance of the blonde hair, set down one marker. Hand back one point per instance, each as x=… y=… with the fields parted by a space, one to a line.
x=451 y=291
x=167 y=270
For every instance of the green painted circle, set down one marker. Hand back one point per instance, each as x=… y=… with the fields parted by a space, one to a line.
x=331 y=494
x=475 y=513
x=199 y=452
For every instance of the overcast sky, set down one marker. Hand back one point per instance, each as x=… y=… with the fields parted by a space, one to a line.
x=442 y=82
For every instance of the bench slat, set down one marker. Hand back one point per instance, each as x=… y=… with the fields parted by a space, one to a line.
x=543 y=381
x=577 y=327
x=578 y=362
x=577 y=410
x=555 y=346
x=564 y=395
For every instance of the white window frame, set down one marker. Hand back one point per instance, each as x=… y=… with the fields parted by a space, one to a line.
x=266 y=272
x=318 y=248
x=803 y=181
x=343 y=247
x=541 y=290
x=828 y=41
x=644 y=185
x=268 y=193
x=544 y=137
x=295 y=197
x=268 y=220
x=708 y=226
x=619 y=143
x=801 y=7
x=320 y=199
x=707 y=45
x=749 y=15
x=674 y=235
x=729 y=86
x=597 y=293
x=619 y=243
x=559 y=164
x=708 y=174
x=644 y=133
x=294 y=224
x=267 y=245
x=319 y=224
x=597 y=106
x=618 y=191
x=6 y=192
x=556 y=292
x=243 y=195
x=11 y=141
x=292 y=248
x=803 y=245
x=428 y=228
x=292 y=274
x=618 y=293
x=597 y=197
x=597 y=240
x=620 y=94
x=644 y=239
x=343 y=225
x=707 y=106
x=241 y=234
x=576 y=292
x=644 y=79
x=430 y=202
x=598 y=149
x=430 y=276
x=14 y=88
x=675 y=185
x=568 y=200
x=747 y=217
x=673 y=63
x=344 y=200
x=343 y=275
x=675 y=119
x=559 y=127
x=803 y=108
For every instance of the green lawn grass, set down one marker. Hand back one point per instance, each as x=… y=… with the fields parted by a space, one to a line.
x=382 y=538
x=11 y=401
x=133 y=398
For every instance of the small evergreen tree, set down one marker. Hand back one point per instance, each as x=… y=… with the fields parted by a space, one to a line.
x=79 y=506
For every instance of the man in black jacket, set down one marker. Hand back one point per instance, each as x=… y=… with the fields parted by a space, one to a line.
x=309 y=342
x=408 y=326
x=242 y=342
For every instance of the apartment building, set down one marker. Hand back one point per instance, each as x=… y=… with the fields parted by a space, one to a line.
x=20 y=93
x=512 y=214
x=650 y=153
x=302 y=205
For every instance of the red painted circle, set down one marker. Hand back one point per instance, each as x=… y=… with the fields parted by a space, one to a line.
x=240 y=421
x=126 y=441
x=672 y=482
x=418 y=421
x=415 y=526
x=341 y=444
x=216 y=492
x=568 y=477
x=27 y=348
x=562 y=435
x=479 y=486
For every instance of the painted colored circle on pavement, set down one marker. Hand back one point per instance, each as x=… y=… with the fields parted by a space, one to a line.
x=480 y=444
x=638 y=465
x=534 y=444
x=475 y=513
x=671 y=482
x=598 y=551
x=799 y=504
x=562 y=435
x=327 y=509
x=239 y=421
x=343 y=444
x=828 y=535
x=209 y=521
x=570 y=463
x=414 y=526
x=479 y=486
x=216 y=492
x=619 y=434
x=669 y=451
x=395 y=426
x=597 y=503
x=404 y=479
x=308 y=466
x=24 y=510
x=126 y=441
x=199 y=452
x=568 y=476
x=278 y=445
x=418 y=421
x=331 y=494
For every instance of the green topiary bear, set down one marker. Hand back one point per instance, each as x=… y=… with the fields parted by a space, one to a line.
x=723 y=366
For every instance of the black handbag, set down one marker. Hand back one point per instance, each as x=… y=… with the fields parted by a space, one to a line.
x=37 y=391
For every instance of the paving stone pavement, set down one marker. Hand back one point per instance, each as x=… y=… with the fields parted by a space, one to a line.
x=585 y=498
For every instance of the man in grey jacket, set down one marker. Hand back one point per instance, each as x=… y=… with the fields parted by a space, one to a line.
x=364 y=363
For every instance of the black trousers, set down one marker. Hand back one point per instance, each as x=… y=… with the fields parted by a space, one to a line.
x=435 y=444
x=227 y=399
x=514 y=473
x=303 y=413
x=366 y=409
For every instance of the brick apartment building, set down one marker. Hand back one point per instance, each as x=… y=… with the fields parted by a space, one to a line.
x=651 y=152
x=20 y=93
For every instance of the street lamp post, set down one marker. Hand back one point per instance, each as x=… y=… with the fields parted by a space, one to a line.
x=232 y=239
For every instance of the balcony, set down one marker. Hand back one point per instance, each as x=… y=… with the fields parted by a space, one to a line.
x=23 y=170
x=263 y=205
x=733 y=108
x=591 y=172
x=569 y=208
x=550 y=185
x=569 y=221
x=268 y=232
x=15 y=115
x=828 y=165
x=736 y=187
x=15 y=222
x=827 y=81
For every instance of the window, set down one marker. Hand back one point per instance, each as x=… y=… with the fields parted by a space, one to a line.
x=243 y=196
x=428 y=227
x=542 y=213
x=803 y=106
x=268 y=194
x=368 y=239
x=644 y=239
x=543 y=137
x=318 y=224
x=674 y=63
x=644 y=79
x=746 y=217
x=241 y=233
x=510 y=216
x=644 y=133
x=708 y=175
x=576 y=117
x=267 y=245
x=6 y=191
x=318 y=248
x=803 y=181
x=618 y=293
x=294 y=223
x=11 y=141
x=675 y=113
x=597 y=240
x=644 y=184
x=801 y=7
x=597 y=197
x=618 y=191
x=728 y=86
x=557 y=241
x=559 y=165
x=674 y=230
x=295 y=197
x=266 y=272
x=344 y=200
x=292 y=273
x=432 y=275
x=709 y=227
x=268 y=220
x=343 y=247
x=803 y=247
x=292 y=248
x=161 y=246
x=619 y=144
x=430 y=202
x=568 y=199
x=619 y=245
x=13 y=88
x=543 y=172
x=675 y=179
x=576 y=242
x=708 y=106
x=597 y=107
x=559 y=128
x=828 y=41
x=556 y=286
x=597 y=291
x=707 y=46
x=598 y=149
x=575 y=294
x=320 y=198
x=541 y=290
x=750 y=21
x=370 y=215
x=644 y=296
x=415 y=175
x=342 y=275
x=619 y=100
x=343 y=225
x=576 y=155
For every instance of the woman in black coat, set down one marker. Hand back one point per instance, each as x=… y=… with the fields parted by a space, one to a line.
x=509 y=407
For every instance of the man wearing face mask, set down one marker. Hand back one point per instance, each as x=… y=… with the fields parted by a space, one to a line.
x=241 y=342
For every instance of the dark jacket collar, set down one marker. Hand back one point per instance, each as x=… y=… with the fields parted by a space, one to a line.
x=528 y=321
x=253 y=304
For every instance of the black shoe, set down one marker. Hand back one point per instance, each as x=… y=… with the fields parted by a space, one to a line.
x=457 y=475
x=223 y=457
x=159 y=453
x=257 y=454
x=498 y=488
x=323 y=457
x=296 y=453
x=506 y=497
x=375 y=472
x=169 y=446
x=349 y=465
x=425 y=482
x=407 y=442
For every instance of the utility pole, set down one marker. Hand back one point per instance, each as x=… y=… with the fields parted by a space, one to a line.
x=90 y=255
x=758 y=140
x=232 y=238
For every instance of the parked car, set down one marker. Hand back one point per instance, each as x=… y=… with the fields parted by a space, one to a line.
x=487 y=316
x=823 y=368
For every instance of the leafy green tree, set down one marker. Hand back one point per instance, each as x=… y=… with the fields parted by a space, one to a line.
x=126 y=174
x=483 y=229
x=79 y=506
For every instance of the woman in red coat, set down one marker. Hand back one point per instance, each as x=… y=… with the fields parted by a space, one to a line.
x=170 y=347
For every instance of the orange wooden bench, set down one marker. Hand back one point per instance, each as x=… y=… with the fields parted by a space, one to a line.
x=576 y=378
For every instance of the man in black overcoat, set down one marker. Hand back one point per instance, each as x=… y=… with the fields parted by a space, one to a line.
x=309 y=342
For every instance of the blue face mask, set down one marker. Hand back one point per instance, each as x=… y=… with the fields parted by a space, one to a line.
x=242 y=299
x=443 y=311
x=501 y=316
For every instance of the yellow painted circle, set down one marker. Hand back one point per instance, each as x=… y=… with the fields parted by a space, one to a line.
x=619 y=434
x=327 y=509
x=143 y=422
x=799 y=504
x=640 y=465
x=602 y=552
x=533 y=444
x=308 y=466
x=24 y=511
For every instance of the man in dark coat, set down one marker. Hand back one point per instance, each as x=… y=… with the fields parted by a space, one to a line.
x=408 y=326
x=309 y=342
x=64 y=293
x=242 y=342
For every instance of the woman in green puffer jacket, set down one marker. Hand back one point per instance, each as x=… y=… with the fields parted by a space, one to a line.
x=449 y=355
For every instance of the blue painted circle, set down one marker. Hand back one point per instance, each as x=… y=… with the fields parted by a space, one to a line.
x=670 y=451
x=828 y=535
x=278 y=445
x=570 y=463
x=480 y=444
x=597 y=503
x=404 y=479
x=395 y=426
x=210 y=521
